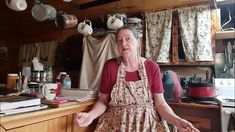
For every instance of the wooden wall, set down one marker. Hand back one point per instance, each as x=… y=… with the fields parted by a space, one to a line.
x=18 y=28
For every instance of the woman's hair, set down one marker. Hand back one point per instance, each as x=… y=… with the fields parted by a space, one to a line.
x=131 y=28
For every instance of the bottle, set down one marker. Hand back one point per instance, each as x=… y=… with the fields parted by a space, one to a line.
x=67 y=82
x=49 y=76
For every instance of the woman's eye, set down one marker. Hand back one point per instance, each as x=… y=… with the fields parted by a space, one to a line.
x=128 y=39
x=119 y=41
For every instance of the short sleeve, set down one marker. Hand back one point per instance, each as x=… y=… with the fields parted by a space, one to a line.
x=108 y=77
x=154 y=76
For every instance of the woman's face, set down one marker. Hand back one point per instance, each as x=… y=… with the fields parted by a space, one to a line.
x=127 y=44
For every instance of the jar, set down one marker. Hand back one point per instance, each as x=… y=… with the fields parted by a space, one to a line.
x=11 y=80
x=43 y=76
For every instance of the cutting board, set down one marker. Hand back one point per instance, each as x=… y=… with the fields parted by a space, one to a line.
x=57 y=105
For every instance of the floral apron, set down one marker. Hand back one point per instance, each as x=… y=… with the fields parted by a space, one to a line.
x=131 y=107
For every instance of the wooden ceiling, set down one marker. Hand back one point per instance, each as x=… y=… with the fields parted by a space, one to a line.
x=15 y=23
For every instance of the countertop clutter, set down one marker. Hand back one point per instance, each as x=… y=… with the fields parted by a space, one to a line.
x=48 y=120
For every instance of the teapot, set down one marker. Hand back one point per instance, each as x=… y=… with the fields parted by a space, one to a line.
x=115 y=22
x=85 y=27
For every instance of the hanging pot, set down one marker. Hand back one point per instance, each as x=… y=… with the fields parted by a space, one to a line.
x=64 y=20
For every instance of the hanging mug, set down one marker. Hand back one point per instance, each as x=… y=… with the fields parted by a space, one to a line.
x=66 y=21
x=85 y=27
x=17 y=5
x=42 y=12
x=114 y=22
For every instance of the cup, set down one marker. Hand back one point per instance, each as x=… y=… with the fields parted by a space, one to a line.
x=114 y=22
x=85 y=27
x=49 y=90
x=17 y=5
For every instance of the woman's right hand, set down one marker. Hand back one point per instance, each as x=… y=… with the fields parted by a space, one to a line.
x=83 y=119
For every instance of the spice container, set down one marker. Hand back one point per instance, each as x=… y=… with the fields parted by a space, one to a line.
x=11 y=80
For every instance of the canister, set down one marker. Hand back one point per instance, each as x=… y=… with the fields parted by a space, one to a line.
x=11 y=80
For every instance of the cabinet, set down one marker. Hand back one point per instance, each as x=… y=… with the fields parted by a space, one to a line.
x=204 y=117
x=49 y=120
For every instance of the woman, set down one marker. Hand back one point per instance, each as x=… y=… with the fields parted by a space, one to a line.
x=131 y=93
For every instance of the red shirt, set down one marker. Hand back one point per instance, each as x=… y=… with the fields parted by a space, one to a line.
x=110 y=70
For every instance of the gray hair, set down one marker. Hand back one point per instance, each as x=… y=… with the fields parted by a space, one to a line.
x=131 y=28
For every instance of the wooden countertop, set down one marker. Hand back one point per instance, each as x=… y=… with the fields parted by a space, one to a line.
x=194 y=105
x=18 y=120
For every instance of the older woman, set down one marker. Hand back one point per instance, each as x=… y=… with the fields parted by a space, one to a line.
x=131 y=93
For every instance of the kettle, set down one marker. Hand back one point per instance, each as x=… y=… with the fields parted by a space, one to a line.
x=114 y=22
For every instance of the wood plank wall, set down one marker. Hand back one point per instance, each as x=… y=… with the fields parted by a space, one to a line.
x=17 y=28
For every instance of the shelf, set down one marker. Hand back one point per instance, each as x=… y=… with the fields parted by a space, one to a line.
x=225 y=35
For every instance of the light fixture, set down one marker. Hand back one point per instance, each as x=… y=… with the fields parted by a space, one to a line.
x=67 y=0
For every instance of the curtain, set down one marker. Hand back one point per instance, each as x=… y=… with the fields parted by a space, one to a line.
x=195 y=23
x=158 y=35
x=95 y=52
x=44 y=51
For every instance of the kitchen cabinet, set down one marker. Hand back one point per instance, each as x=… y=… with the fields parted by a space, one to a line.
x=205 y=117
x=48 y=120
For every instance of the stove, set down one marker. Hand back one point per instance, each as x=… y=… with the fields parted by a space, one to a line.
x=226 y=96
x=225 y=91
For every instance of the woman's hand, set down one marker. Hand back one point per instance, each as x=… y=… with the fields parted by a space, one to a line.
x=185 y=126
x=83 y=119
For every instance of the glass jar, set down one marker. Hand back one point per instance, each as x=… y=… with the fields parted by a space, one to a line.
x=11 y=80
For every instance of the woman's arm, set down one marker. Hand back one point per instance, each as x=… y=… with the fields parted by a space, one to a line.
x=84 y=119
x=168 y=114
x=100 y=106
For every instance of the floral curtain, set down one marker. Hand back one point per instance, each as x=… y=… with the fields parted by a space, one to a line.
x=195 y=23
x=158 y=35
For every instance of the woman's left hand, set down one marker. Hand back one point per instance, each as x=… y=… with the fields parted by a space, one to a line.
x=186 y=126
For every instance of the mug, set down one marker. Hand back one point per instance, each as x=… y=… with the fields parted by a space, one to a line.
x=49 y=90
x=114 y=22
x=66 y=21
x=85 y=27
x=42 y=12
x=17 y=5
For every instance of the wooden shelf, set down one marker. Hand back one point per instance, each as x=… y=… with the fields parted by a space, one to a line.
x=225 y=35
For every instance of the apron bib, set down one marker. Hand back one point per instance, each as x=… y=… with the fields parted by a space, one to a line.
x=131 y=107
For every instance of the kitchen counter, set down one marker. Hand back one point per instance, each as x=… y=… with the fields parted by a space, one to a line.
x=47 y=120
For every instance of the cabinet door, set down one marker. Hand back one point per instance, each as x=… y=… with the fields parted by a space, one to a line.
x=58 y=125
x=38 y=127
x=54 y=125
